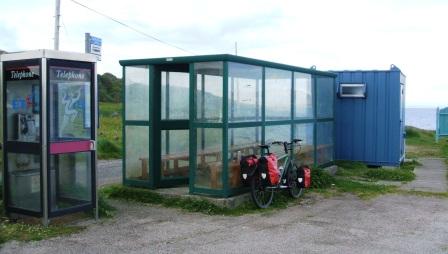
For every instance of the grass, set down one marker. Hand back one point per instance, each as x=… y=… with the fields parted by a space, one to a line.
x=321 y=179
x=360 y=171
x=110 y=138
x=27 y=232
x=402 y=175
x=21 y=231
x=281 y=200
x=421 y=143
x=363 y=190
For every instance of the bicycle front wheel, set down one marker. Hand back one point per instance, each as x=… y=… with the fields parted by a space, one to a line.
x=261 y=195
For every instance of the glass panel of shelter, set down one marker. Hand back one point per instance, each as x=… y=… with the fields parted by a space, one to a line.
x=209 y=141
x=209 y=92
x=278 y=133
x=244 y=105
x=303 y=95
x=136 y=153
x=136 y=136
x=209 y=161
x=325 y=96
x=278 y=89
x=175 y=112
x=325 y=142
x=175 y=88
x=244 y=96
x=243 y=141
x=305 y=155
x=137 y=93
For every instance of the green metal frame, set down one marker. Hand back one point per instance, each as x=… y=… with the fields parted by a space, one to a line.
x=156 y=125
x=222 y=58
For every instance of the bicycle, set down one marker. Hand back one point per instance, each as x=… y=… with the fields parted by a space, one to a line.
x=262 y=192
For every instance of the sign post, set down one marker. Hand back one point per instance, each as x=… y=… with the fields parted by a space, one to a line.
x=93 y=45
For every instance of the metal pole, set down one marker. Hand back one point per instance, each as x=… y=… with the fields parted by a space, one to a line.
x=2 y=169
x=95 y=83
x=44 y=170
x=236 y=48
x=56 y=24
x=437 y=124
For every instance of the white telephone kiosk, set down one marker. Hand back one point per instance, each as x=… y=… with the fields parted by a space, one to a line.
x=49 y=132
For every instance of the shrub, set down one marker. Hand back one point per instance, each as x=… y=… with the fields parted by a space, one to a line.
x=104 y=208
x=321 y=179
x=108 y=150
x=412 y=132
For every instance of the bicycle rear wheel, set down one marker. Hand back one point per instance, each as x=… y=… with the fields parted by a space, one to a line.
x=261 y=195
x=294 y=190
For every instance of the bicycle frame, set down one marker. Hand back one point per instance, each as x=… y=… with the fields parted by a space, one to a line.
x=289 y=162
x=262 y=192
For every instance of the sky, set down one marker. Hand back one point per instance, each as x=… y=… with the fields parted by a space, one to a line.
x=332 y=35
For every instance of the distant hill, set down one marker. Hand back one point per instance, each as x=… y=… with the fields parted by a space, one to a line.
x=109 y=88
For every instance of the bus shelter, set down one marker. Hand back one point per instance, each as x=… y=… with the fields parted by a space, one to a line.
x=190 y=119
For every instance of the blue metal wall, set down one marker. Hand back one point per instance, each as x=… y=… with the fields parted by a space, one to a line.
x=371 y=129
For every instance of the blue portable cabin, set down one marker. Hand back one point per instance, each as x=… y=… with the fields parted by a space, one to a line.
x=369 y=116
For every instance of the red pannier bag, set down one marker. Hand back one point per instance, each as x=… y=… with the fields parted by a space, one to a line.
x=304 y=177
x=268 y=166
x=248 y=164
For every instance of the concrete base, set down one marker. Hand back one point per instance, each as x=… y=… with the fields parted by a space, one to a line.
x=183 y=192
x=230 y=202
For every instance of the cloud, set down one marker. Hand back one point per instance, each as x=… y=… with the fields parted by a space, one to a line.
x=9 y=38
x=333 y=35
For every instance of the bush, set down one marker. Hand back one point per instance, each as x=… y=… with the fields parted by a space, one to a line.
x=104 y=209
x=321 y=179
x=412 y=132
x=108 y=150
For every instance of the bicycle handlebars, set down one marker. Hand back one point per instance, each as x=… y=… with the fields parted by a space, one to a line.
x=284 y=143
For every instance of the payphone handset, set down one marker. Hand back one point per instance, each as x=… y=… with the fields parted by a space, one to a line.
x=27 y=127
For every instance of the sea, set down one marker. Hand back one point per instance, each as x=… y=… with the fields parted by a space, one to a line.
x=423 y=118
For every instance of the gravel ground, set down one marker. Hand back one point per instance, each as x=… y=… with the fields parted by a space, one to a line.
x=342 y=224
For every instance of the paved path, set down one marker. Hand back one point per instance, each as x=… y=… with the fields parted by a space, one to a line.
x=430 y=176
x=109 y=171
